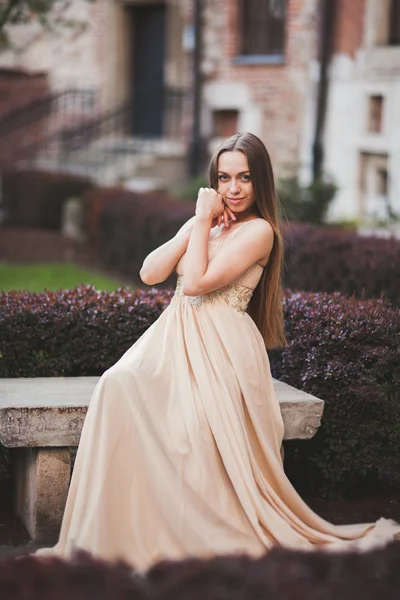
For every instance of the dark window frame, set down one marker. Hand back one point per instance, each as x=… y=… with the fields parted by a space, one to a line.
x=254 y=47
x=394 y=23
x=376 y=107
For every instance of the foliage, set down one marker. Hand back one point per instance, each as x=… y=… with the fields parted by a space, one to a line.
x=22 y=12
x=34 y=198
x=308 y=203
x=343 y=350
x=124 y=227
x=72 y=332
x=346 y=352
x=325 y=259
x=190 y=190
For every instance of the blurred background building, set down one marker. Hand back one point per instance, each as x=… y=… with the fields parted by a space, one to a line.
x=141 y=92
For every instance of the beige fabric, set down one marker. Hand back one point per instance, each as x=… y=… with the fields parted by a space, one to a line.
x=180 y=451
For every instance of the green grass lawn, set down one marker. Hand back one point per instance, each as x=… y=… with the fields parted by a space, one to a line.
x=36 y=278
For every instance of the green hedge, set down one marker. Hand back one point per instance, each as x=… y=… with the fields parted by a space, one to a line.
x=345 y=351
x=307 y=204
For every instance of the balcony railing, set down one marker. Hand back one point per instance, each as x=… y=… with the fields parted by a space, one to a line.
x=68 y=126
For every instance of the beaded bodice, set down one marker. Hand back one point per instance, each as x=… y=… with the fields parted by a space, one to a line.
x=237 y=294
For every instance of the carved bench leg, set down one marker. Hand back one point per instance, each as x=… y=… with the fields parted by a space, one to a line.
x=41 y=486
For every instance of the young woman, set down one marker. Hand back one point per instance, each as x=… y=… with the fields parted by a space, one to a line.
x=180 y=453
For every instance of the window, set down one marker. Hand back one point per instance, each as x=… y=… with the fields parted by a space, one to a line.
x=263 y=27
x=225 y=123
x=374 y=186
x=375 y=114
x=394 y=23
x=382 y=181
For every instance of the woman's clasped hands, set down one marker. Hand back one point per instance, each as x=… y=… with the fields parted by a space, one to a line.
x=210 y=205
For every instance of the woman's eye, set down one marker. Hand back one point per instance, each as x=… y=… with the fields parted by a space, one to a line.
x=222 y=177
x=246 y=177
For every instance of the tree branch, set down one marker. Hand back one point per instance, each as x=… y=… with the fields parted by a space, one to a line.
x=6 y=13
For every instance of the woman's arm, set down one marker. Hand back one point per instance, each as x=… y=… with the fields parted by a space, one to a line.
x=160 y=263
x=249 y=246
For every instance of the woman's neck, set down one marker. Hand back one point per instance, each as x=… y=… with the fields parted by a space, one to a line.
x=246 y=215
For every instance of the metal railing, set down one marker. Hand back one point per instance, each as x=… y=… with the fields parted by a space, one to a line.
x=23 y=129
x=61 y=104
x=67 y=128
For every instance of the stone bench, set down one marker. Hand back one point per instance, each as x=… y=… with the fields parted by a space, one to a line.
x=42 y=418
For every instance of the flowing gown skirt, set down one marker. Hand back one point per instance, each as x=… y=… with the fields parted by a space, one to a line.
x=180 y=451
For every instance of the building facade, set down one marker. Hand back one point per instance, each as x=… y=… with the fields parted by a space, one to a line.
x=311 y=83
x=263 y=70
x=119 y=70
x=362 y=127
x=256 y=64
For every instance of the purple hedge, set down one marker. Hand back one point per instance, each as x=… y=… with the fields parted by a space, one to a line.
x=124 y=227
x=35 y=199
x=323 y=259
x=345 y=351
x=73 y=332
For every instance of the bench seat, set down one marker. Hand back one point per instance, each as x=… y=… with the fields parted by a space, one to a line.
x=42 y=418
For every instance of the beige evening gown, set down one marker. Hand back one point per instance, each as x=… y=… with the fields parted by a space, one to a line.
x=180 y=451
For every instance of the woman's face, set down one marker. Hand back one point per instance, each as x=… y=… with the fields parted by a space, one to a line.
x=234 y=181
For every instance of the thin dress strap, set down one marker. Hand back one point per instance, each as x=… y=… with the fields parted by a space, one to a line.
x=239 y=227
x=234 y=232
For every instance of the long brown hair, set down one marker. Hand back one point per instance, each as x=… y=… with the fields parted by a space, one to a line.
x=265 y=307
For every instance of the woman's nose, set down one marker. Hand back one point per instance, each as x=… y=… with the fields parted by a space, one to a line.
x=234 y=188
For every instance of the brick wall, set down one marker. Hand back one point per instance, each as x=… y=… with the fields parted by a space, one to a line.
x=350 y=18
x=280 y=90
x=18 y=88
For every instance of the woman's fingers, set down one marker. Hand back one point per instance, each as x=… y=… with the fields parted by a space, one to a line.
x=226 y=217
x=231 y=214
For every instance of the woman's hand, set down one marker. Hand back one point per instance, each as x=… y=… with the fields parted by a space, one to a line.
x=210 y=205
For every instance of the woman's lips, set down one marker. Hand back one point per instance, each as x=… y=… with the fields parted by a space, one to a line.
x=235 y=200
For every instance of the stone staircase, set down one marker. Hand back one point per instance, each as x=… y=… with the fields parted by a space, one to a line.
x=139 y=164
x=68 y=131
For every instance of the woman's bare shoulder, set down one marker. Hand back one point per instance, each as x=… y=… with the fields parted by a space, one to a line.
x=258 y=226
x=259 y=234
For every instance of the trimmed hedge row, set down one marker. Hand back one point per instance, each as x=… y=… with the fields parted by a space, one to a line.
x=343 y=350
x=35 y=199
x=72 y=332
x=124 y=227
x=347 y=352
x=329 y=260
